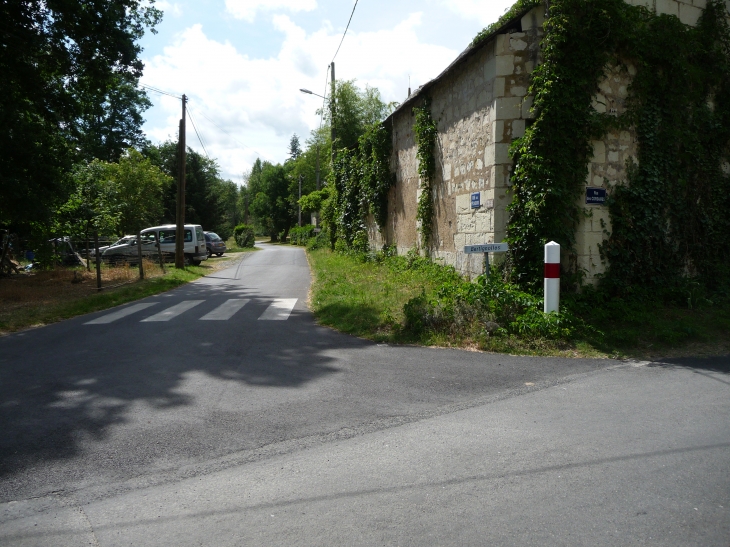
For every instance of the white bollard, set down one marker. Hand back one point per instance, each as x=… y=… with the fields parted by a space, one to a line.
x=552 y=277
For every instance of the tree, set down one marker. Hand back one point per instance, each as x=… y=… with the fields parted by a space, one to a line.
x=271 y=204
x=140 y=187
x=295 y=150
x=93 y=206
x=355 y=111
x=209 y=200
x=112 y=123
x=58 y=60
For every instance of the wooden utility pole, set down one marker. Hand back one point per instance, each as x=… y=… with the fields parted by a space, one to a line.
x=333 y=133
x=139 y=254
x=180 y=228
x=98 y=261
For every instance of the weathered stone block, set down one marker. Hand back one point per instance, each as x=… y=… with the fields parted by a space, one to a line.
x=507 y=108
x=499 y=87
x=447 y=171
x=505 y=65
x=463 y=204
x=482 y=223
x=518 y=128
x=501 y=153
x=534 y=18
x=459 y=241
x=587 y=242
x=501 y=44
x=466 y=224
x=518 y=91
x=490 y=69
x=689 y=15
x=517 y=44
x=599 y=152
x=613 y=156
x=670 y=7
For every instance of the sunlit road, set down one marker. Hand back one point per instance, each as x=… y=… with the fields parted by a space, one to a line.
x=221 y=414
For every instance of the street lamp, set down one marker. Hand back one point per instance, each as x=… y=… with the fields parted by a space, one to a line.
x=308 y=92
x=312 y=93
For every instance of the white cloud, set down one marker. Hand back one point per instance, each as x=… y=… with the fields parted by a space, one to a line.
x=246 y=9
x=486 y=12
x=258 y=101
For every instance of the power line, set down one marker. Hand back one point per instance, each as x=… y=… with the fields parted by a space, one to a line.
x=230 y=134
x=145 y=86
x=347 y=27
x=190 y=115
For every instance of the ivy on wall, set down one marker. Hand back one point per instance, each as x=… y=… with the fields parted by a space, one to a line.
x=360 y=181
x=426 y=133
x=670 y=217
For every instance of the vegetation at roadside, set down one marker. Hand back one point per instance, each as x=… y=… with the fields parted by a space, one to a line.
x=409 y=299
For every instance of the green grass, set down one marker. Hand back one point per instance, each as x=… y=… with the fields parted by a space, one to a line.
x=366 y=299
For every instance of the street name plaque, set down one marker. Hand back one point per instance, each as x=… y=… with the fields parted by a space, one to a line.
x=486 y=248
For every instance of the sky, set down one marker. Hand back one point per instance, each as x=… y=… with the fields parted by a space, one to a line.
x=243 y=62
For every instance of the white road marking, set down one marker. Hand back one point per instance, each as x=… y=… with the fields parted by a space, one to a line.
x=279 y=310
x=226 y=310
x=174 y=311
x=110 y=317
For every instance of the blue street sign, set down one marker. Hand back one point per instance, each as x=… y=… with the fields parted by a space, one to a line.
x=476 y=200
x=595 y=196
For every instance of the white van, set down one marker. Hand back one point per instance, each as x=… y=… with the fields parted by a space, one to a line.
x=194 y=245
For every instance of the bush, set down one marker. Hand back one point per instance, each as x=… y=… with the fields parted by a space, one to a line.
x=244 y=235
x=301 y=235
x=320 y=241
x=489 y=304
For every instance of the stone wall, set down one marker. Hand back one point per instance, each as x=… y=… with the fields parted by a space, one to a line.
x=478 y=108
x=480 y=105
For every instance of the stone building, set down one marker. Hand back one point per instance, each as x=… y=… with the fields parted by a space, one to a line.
x=480 y=104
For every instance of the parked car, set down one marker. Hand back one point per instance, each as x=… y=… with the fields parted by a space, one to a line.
x=214 y=244
x=121 y=241
x=194 y=245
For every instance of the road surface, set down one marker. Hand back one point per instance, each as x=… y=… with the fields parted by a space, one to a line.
x=221 y=414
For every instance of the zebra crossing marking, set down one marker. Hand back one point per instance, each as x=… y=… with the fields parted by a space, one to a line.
x=111 y=317
x=174 y=311
x=226 y=310
x=279 y=310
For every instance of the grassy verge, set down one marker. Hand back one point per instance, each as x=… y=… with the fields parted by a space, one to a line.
x=32 y=300
x=367 y=299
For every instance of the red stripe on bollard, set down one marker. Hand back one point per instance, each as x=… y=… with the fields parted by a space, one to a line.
x=552 y=271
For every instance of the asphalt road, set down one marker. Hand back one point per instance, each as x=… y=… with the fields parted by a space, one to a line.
x=221 y=414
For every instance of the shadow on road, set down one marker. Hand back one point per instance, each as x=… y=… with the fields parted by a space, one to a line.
x=64 y=386
x=708 y=364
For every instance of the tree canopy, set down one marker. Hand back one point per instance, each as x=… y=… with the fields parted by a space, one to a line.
x=67 y=92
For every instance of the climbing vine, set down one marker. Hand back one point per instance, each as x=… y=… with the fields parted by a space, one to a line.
x=425 y=132
x=360 y=181
x=519 y=7
x=663 y=215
